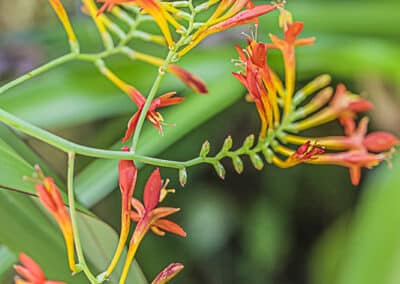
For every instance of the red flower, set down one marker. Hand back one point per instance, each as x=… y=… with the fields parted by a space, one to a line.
x=51 y=198
x=152 y=115
x=258 y=80
x=148 y=216
x=287 y=47
x=127 y=181
x=31 y=272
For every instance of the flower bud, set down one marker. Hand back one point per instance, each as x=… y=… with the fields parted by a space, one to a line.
x=257 y=161
x=227 y=144
x=219 y=168
x=205 y=149
x=237 y=164
x=380 y=141
x=182 y=176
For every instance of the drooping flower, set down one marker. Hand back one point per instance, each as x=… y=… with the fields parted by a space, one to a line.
x=154 y=9
x=168 y=273
x=150 y=217
x=51 y=198
x=227 y=15
x=127 y=181
x=153 y=116
x=31 y=272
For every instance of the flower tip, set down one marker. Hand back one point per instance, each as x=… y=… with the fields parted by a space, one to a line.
x=168 y=273
x=380 y=141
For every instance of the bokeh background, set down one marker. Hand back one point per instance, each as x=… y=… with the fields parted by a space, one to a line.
x=294 y=226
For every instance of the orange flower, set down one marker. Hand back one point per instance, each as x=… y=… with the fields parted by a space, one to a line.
x=228 y=15
x=168 y=273
x=344 y=106
x=150 y=217
x=258 y=79
x=287 y=47
x=153 y=8
x=127 y=181
x=50 y=196
x=31 y=272
x=152 y=115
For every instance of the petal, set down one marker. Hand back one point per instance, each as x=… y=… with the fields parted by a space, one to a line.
x=33 y=267
x=293 y=32
x=163 y=212
x=167 y=100
x=355 y=175
x=152 y=190
x=169 y=226
x=138 y=206
x=131 y=126
x=135 y=217
x=127 y=180
x=189 y=79
x=157 y=231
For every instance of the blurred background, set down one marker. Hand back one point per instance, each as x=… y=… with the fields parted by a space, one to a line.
x=294 y=226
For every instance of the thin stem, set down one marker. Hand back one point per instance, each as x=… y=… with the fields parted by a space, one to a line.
x=72 y=211
x=38 y=71
x=150 y=98
x=68 y=146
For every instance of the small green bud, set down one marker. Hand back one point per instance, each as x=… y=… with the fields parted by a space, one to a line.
x=268 y=154
x=205 y=149
x=249 y=141
x=182 y=176
x=257 y=161
x=219 y=168
x=227 y=144
x=237 y=164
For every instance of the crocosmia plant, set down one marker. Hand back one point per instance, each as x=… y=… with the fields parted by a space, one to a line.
x=288 y=112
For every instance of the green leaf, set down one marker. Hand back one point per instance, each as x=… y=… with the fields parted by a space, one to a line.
x=7 y=259
x=33 y=231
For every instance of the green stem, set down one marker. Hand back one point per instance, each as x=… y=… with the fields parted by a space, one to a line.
x=68 y=146
x=38 y=71
x=150 y=97
x=72 y=210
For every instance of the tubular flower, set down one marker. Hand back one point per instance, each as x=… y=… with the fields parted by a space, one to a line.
x=168 y=273
x=31 y=272
x=127 y=181
x=50 y=196
x=153 y=8
x=227 y=15
x=359 y=144
x=287 y=47
x=150 y=217
x=260 y=81
x=152 y=115
x=344 y=106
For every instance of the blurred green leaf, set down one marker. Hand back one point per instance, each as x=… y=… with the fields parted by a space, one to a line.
x=7 y=259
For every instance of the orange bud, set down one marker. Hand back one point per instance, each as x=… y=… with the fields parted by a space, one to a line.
x=380 y=141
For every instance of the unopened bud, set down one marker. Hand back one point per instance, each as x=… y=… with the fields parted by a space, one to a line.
x=249 y=141
x=257 y=161
x=237 y=164
x=219 y=168
x=205 y=149
x=380 y=141
x=182 y=176
x=227 y=144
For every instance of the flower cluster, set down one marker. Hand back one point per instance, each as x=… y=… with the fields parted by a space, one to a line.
x=271 y=96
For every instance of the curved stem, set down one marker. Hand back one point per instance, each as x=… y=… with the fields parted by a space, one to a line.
x=72 y=211
x=38 y=71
